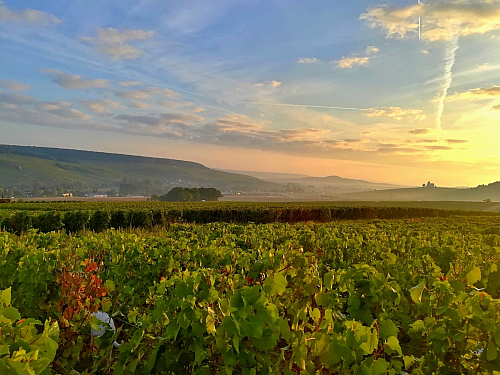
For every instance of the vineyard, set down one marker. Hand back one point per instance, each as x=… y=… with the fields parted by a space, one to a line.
x=74 y=216
x=416 y=296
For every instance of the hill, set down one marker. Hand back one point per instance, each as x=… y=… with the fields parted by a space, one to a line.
x=24 y=166
x=338 y=182
x=269 y=176
x=333 y=184
x=479 y=193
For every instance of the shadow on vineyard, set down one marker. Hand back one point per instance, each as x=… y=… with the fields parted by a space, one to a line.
x=366 y=296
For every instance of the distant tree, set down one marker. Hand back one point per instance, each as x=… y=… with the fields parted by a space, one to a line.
x=193 y=195
x=111 y=193
x=126 y=188
x=209 y=194
x=17 y=193
x=179 y=194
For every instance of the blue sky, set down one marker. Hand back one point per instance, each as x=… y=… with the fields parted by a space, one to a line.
x=321 y=87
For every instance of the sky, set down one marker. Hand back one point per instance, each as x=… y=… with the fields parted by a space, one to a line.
x=324 y=87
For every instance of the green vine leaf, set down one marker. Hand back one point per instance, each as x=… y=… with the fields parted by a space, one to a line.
x=474 y=276
x=491 y=352
x=393 y=343
x=416 y=292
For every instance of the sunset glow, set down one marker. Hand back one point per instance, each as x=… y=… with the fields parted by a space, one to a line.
x=318 y=88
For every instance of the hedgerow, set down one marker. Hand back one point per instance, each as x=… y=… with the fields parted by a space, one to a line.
x=75 y=216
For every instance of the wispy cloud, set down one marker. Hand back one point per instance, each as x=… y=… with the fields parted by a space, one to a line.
x=146 y=93
x=485 y=66
x=191 y=16
x=456 y=141
x=14 y=85
x=476 y=94
x=438 y=148
x=268 y=83
x=16 y=99
x=139 y=105
x=161 y=119
x=307 y=60
x=113 y=42
x=352 y=62
x=73 y=81
x=101 y=106
x=175 y=104
x=28 y=16
x=397 y=113
x=399 y=150
x=370 y=50
x=62 y=109
x=55 y=115
x=420 y=131
x=129 y=83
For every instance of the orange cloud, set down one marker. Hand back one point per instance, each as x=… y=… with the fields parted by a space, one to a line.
x=442 y=20
x=396 y=113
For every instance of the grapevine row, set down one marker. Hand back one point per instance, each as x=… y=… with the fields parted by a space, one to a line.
x=366 y=297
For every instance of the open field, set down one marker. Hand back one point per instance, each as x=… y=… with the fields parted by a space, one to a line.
x=234 y=201
x=82 y=199
x=444 y=205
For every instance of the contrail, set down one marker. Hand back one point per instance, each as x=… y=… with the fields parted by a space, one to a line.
x=309 y=106
x=449 y=61
x=419 y=25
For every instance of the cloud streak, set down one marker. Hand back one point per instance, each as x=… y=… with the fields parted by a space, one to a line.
x=449 y=61
x=306 y=106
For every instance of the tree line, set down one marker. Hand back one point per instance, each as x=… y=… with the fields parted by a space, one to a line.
x=180 y=194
